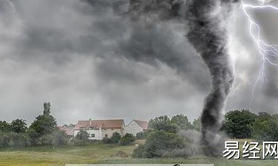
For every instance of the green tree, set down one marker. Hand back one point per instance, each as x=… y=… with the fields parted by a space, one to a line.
x=162 y=123
x=19 y=126
x=161 y=144
x=237 y=124
x=46 y=108
x=82 y=138
x=115 y=138
x=265 y=127
x=197 y=124
x=181 y=121
x=127 y=139
x=5 y=126
x=43 y=125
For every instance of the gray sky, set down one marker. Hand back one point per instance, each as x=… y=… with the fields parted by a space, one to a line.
x=90 y=61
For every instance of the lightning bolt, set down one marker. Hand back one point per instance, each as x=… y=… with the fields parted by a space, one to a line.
x=267 y=51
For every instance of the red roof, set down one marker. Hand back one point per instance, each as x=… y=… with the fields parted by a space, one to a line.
x=67 y=130
x=142 y=124
x=104 y=124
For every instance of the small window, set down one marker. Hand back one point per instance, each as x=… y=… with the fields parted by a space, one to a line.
x=93 y=135
x=106 y=135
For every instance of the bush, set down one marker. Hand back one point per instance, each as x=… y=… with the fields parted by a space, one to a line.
x=116 y=137
x=21 y=140
x=12 y=139
x=60 y=138
x=127 y=139
x=161 y=144
x=82 y=138
x=4 y=140
x=141 y=135
x=34 y=136
x=45 y=140
x=56 y=138
x=106 y=140
x=139 y=152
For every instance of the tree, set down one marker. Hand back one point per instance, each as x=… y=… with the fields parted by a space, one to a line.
x=265 y=127
x=82 y=138
x=162 y=123
x=181 y=121
x=5 y=126
x=127 y=139
x=115 y=138
x=237 y=124
x=46 y=108
x=161 y=144
x=43 y=125
x=19 y=126
x=197 y=124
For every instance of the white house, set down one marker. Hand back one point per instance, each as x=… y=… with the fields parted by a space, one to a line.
x=136 y=126
x=99 y=129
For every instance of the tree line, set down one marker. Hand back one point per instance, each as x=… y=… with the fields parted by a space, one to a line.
x=164 y=138
x=161 y=136
x=42 y=131
x=245 y=124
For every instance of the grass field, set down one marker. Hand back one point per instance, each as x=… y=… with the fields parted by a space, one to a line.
x=99 y=153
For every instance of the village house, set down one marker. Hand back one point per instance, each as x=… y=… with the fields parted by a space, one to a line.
x=99 y=129
x=136 y=126
x=69 y=130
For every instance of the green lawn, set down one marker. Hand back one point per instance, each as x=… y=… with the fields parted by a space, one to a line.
x=99 y=153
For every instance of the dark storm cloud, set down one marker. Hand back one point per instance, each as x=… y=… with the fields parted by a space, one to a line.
x=109 y=34
x=86 y=61
x=158 y=45
x=117 y=70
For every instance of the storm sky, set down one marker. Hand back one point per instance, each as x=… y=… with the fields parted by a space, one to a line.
x=90 y=61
